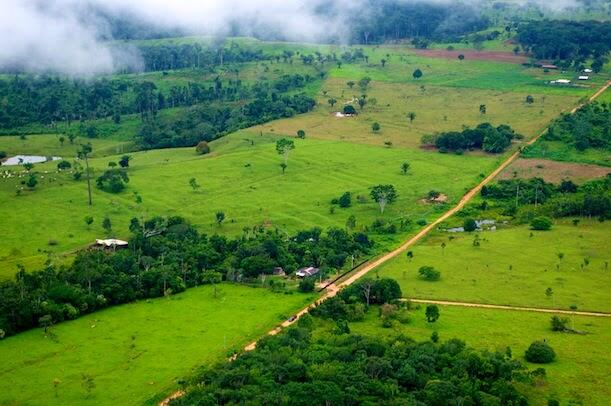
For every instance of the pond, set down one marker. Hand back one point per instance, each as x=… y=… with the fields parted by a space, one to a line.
x=32 y=159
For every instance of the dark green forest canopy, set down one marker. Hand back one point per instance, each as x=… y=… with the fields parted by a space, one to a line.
x=566 y=40
x=589 y=127
x=347 y=369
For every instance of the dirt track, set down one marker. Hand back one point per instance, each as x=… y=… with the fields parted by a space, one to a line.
x=503 y=307
x=334 y=288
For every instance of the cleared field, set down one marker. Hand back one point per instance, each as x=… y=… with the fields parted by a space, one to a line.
x=437 y=109
x=581 y=370
x=553 y=171
x=137 y=352
x=241 y=179
x=512 y=267
x=49 y=145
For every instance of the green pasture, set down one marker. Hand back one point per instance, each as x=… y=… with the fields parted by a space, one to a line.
x=50 y=145
x=579 y=374
x=513 y=267
x=243 y=178
x=560 y=151
x=437 y=108
x=138 y=351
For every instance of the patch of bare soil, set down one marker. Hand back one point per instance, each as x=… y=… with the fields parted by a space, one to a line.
x=553 y=171
x=497 y=56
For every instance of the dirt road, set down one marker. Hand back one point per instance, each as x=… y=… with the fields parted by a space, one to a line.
x=334 y=288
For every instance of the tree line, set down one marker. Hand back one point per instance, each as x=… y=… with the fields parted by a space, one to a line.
x=165 y=256
x=48 y=100
x=567 y=41
x=527 y=198
x=588 y=127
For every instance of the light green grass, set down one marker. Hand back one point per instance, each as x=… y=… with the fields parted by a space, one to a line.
x=483 y=275
x=437 y=109
x=580 y=372
x=137 y=351
x=49 y=145
x=560 y=151
x=242 y=180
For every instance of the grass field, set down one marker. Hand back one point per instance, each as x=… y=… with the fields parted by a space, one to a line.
x=581 y=370
x=437 y=109
x=511 y=267
x=137 y=352
x=49 y=145
x=554 y=171
x=243 y=180
x=559 y=151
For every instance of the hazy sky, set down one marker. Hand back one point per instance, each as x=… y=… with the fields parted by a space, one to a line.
x=63 y=36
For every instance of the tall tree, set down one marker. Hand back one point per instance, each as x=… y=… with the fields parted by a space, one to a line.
x=84 y=153
x=383 y=195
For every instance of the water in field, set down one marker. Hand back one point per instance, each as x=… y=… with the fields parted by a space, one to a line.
x=32 y=159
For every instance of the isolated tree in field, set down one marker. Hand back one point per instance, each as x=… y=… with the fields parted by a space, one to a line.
x=362 y=102
x=461 y=57
x=364 y=83
x=470 y=225
x=112 y=164
x=411 y=116
x=284 y=147
x=71 y=138
x=32 y=181
x=482 y=109
x=530 y=99
x=283 y=166
x=349 y=110
x=383 y=195
x=351 y=222
x=539 y=352
x=124 y=161
x=113 y=181
x=45 y=322
x=350 y=84
x=405 y=168
x=431 y=313
x=63 y=165
x=417 y=74
x=559 y=323
x=428 y=273
x=193 y=183
x=212 y=277
x=541 y=223
x=62 y=139
x=202 y=148
x=88 y=221
x=84 y=153
x=383 y=61
x=107 y=225
x=220 y=217
x=332 y=102
x=301 y=134
x=375 y=127
x=28 y=166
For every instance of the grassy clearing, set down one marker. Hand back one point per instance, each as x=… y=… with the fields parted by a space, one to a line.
x=559 y=151
x=243 y=180
x=511 y=267
x=580 y=372
x=49 y=145
x=137 y=351
x=437 y=109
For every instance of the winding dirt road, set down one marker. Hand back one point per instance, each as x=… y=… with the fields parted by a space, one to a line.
x=332 y=289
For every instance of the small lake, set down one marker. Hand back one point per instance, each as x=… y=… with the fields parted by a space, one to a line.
x=32 y=159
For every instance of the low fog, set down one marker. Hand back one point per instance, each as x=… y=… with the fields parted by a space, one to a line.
x=71 y=36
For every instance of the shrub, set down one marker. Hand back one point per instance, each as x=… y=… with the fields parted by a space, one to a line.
x=345 y=200
x=558 y=323
x=428 y=273
x=64 y=165
x=540 y=352
x=470 y=225
x=113 y=181
x=306 y=285
x=349 y=110
x=541 y=223
x=3 y=154
x=202 y=148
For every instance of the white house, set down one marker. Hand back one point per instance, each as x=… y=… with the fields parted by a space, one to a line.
x=587 y=70
x=111 y=243
x=308 y=271
x=561 y=81
x=584 y=77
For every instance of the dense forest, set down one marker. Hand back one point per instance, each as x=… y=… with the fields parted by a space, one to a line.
x=589 y=127
x=299 y=367
x=568 y=41
x=165 y=256
x=49 y=100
